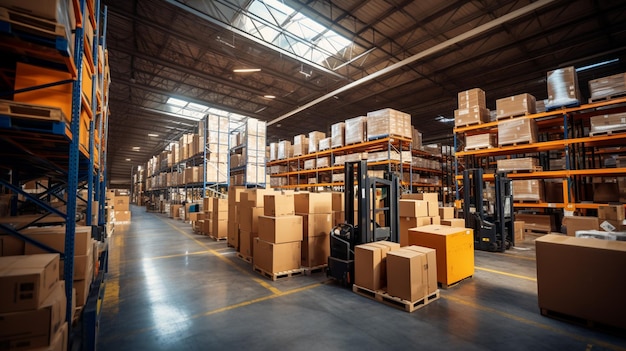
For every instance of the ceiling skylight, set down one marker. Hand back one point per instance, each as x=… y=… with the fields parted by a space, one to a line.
x=196 y=112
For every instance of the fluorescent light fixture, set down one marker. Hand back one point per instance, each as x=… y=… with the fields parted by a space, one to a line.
x=136 y=148
x=443 y=119
x=269 y=96
x=246 y=70
x=153 y=135
x=595 y=65
x=177 y=102
x=128 y=159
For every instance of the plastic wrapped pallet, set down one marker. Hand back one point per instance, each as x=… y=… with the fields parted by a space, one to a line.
x=605 y=124
x=278 y=169
x=338 y=177
x=562 y=88
x=517 y=131
x=528 y=190
x=472 y=98
x=323 y=162
x=273 y=151
x=339 y=160
x=284 y=150
x=517 y=105
x=301 y=149
x=356 y=130
x=469 y=116
x=314 y=139
x=388 y=122
x=608 y=86
x=517 y=164
x=324 y=144
x=300 y=140
x=337 y=134
x=480 y=141
x=255 y=127
x=309 y=164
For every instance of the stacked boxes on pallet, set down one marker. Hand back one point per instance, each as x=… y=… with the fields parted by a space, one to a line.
x=480 y=141
x=370 y=264
x=356 y=130
x=249 y=209
x=606 y=87
x=518 y=105
x=251 y=170
x=338 y=135
x=317 y=222
x=388 y=122
x=447 y=218
x=562 y=88
x=277 y=248
x=217 y=149
x=606 y=124
x=32 y=303
x=472 y=108
x=218 y=219
x=528 y=189
x=517 y=131
x=234 y=196
x=314 y=141
x=413 y=213
x=412 y=273
x=300 y=145
x=121 y=206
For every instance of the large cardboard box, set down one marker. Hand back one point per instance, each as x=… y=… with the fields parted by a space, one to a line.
x=574 y=223
x=430 y=267
x=26 y=281
x=518 y=228
x=370 y=264
x=246 y=239
x=435 y=220
x=517 y=105
x=124 y=216
x=249 y=218
x=279 y=205
x=386 y=122
x=11 y=246
x=313 y=203
x=121 y=203
x=281 y=229
x=407 y=278
x=407 y=223
x=37 y=327
x=455 y=250
x=528 y=189
x=413 y=208
x=612 y=212
x=338 y=201
x=517 y=131
x=314 y=140
x=571 y=270
x=315 y=250
x=275 y=258
x=432 y=198
x=472 y=98
x=59 y=341
x=606 y=192
x=337 y=134
x=54 y=237
x=234 y=194
x=446 y=212
x=219 y=228
x=256 y=196
x=82 y=290
x=316 y=224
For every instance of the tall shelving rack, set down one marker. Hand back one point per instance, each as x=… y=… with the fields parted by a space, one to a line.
x=41 y=141
x=560 y=130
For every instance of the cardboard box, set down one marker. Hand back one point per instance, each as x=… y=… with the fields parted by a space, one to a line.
x=313 y=203
x=435 y=220
x=219 y=228
x=249 y=218
x=517 y=105
x=234 y=194
x=337 y=135
x=54 y=237
x=279 y=205
x=196 y=216
x=468 y=116
x=453 y=222
x=11 y=246
x=407 y=277
x=446 y=212
x=432 y=198
x=517 y=131
x=430 y=267
x=82 y=266
x=26 y=281
x=339 y=217
x=518 y=228
x=82 y=291
x=606 y=192
x=314 y=139
x=574 y=223
x=480 y=141
x=37 y=327
x=121 y=203
x=256 y=196
x=528 y=189
x=413 y=208
x=315 y=250
x=562 y=88
x=370 y=264
x=276 y=258
x=544 y=223
x=407 y=223
x=316 y=224
x=386 y=122
x=612 y=212
x=455 y=250
x=60 y=96
x=607 y=86
x=281 y=229
x=59 y=341
x=338 y=201
x=582 y=268
x=246 y=240
x=124 y=216
x=472 y=98
x=517 y=164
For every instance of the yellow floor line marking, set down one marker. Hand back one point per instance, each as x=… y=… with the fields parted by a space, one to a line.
x=226 y=260
x=505 y=273
x=516 y=256
x=166 y=256
x=532 y=323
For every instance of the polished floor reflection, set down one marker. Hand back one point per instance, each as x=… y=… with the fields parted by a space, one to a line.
x=169 y=289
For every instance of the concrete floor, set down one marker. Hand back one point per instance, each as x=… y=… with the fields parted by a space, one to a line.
x=169 y=289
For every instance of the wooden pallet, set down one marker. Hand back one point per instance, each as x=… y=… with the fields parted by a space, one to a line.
x=609 y=132
x=393 y=301
x=31 y=111
x=478 y=148
x=245 y=258
x=536 y=231
x=582 y=322
x=474 y=123
x=516 y=144
x=512 y=116
x=452 y=285
x=279 y=275
x=534 y=169
x=218 y=239
x=609 y=97
x=316 y=269
x=528 y=201
x=31 y=24
x=555 y=108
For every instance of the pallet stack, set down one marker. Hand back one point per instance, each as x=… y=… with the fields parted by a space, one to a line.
x=234 y=193
x=250 y=208
x=218 y=219
x=277 y=249
x=317 y=222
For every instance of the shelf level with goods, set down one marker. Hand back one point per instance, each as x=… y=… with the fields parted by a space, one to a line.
x=247 y=160
x=573 y=150
x=54 y=128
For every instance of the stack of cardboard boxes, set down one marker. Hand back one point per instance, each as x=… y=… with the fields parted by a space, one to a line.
x=472 y=108
x=121 y=206
x=338 y=208
x=413 y=213
x=277 y=249
x=234 y=193
x=250 y=208
x=217 y=222
x=316 y=210
x=32 y=303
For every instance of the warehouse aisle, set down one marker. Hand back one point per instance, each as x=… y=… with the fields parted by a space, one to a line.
x=169 y=289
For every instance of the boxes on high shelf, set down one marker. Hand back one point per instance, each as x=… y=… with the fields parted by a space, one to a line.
x=273 y=153
x=471 y=98
x=313 y=203
x=562 y=88
x=388 y=122
x=37 y=327
x=582 y=268
x=324 y=144
x=411 y=273
x=455 y=250
x=285 y=150
x=314 y=139
x=356 y=130
x=517 y=164
x=337 y=135
x=407 y=223
x=370 y=264
x=275 y=258
x=607 y=123
x=608 y=86
x=301 y=149
x=517 y=131
x=480 y=141
x=517 y=105
x=528 y=189
x=27 y=281
x=468 y=116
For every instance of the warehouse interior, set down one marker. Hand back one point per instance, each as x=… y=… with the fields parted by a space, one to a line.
x=262 y=174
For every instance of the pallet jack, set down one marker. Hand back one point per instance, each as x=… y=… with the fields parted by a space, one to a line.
x=345 y=236
x=493 y=229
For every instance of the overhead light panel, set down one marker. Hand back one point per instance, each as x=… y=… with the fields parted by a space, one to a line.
x=595 y=65
x=128 y=159
x=246 y=70
x=136 y=148
x=153 y=135
x=177 y=102
x=269 y=96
